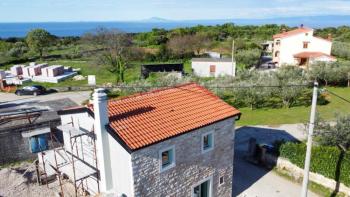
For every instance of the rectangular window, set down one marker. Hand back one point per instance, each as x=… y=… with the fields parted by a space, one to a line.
x=207 y=142
x=212 y=70
x=221 y=180
x=305 y=45
x=167 y=158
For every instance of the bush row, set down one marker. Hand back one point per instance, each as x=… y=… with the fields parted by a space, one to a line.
x=324 y=160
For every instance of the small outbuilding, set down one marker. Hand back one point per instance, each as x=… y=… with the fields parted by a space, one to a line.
x=151 y=68
x=213 y=67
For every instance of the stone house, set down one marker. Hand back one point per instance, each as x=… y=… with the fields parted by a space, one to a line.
x=171 y=142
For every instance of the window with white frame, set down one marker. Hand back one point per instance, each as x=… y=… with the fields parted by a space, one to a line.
x=167 y=158
x=207 y=141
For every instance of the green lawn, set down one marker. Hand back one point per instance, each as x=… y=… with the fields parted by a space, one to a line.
x=297 y=114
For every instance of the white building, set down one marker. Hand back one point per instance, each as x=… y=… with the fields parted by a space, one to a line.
x=213 y=67
x=301 y=47
x=170 y=142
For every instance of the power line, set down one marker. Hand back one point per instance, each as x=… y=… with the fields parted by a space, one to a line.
x=223 y=87
x=334 y=94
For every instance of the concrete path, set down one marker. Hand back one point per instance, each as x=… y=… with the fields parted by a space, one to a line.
x=77 y=97
x=254 y=181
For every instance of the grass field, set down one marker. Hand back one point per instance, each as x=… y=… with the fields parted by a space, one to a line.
x=297 y=114
x=103 y=76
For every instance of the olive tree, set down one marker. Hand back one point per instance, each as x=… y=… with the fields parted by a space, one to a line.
x=38 y=40
x=115 y=47
x=334 y=134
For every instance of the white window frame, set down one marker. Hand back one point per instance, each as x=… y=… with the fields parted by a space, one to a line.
x=210 y=179
x=173 y=164
x=202 y=142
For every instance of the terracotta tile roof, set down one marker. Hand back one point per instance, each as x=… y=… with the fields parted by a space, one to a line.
x=312 y=55
x=292 y=32
x=144 y=119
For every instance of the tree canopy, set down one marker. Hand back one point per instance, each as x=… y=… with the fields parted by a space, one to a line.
x=38 y=40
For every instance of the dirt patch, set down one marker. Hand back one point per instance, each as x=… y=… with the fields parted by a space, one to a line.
x=21 y=181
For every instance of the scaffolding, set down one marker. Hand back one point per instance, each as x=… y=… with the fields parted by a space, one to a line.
x=73 y=163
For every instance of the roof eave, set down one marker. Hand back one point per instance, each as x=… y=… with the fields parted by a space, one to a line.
x=130 y=150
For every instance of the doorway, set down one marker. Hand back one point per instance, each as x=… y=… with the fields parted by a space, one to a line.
x=203 y=189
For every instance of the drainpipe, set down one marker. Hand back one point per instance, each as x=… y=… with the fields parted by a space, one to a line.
x=100 y=102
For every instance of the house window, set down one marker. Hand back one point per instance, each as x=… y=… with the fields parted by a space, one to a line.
x=221 y=180
x=207 y=142
x=212 y=70
x=305 y=45
x=277 y=54
x=167 y=158
x=278 y=42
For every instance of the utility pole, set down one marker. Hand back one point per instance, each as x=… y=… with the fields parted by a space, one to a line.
x=309 y=142
x=233 y=63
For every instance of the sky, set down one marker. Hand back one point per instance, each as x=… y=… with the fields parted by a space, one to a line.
x=131 y=10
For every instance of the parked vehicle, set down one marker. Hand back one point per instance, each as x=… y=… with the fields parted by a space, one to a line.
x=31 y=90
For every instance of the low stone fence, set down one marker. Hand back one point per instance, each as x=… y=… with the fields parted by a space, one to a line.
x=297 y=173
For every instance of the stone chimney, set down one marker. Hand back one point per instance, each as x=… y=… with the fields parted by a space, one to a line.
x=100 y=102
x=329 y=37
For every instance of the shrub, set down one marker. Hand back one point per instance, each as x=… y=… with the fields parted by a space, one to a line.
x=324 y=160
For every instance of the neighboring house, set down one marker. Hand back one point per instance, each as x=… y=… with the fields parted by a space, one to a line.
x=170 y=142
x=301 y=47
x=213 y=67
x=20 y=120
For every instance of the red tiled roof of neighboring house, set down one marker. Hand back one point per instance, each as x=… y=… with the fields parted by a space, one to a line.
x=312 y=55
x=292 y=32
x=147 y=118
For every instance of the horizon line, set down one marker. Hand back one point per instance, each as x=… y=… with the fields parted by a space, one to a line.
x=162 y=20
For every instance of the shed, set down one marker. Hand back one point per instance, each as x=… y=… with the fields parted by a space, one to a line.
x=149 y=68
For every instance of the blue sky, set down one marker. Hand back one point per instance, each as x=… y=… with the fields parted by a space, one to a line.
x=126 y=10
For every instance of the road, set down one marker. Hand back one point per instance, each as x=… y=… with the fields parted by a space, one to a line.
x=254 y=181
x=77 y=97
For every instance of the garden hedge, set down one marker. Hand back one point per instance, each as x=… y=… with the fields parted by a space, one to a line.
x=324 y=160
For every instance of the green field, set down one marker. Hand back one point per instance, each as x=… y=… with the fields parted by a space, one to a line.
x=102 y=75
x=297 y=114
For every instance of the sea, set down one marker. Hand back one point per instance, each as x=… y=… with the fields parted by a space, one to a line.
x=80 y=28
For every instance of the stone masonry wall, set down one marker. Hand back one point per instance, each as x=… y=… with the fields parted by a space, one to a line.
x=14 y=147
x=191 y=165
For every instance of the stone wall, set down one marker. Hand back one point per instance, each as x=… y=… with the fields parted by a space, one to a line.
x=192 y=166
x=14 y=147
x=298 y=173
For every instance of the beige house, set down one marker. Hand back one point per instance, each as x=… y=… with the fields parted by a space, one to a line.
x=301 y=47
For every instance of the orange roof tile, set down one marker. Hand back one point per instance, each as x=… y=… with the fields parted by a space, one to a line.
x=312 y=55
x=292 y=32
x=144 y=119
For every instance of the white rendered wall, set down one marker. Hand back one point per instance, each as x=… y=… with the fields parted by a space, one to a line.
x=202 y=69
x=123 y=182
x=291 y=45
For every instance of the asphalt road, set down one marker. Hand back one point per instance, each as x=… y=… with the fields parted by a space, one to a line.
x=77 y=97
x=253 y=181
